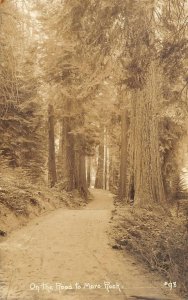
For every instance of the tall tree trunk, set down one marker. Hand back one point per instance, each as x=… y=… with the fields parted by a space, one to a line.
x=111 y=174
x=68 y=149
x=77 y=163
x=68 y=155
x=123 y=162
x=108 y=154
x=59 y=155
x=88 y=171
x=105 y=160
x=82 y=176
x=114 y=168
x=80 y=168
x=100 y=167
x=52 y=176
x=147 y=184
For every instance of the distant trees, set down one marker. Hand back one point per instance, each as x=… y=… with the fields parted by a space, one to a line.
x=67 y=65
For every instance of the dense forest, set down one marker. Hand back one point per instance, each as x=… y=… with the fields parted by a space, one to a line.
x=93 y=94
x=114 y=94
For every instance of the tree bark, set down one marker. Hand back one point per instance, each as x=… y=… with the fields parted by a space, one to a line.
x=77 y=163
x=59 y=163
x=68 y=153
x=88 y=171
x=52 y=176
x=82 y=176
x=80 y=168
x=146 y=182
x=100 y=167
x=123 y=162
x=105 y=159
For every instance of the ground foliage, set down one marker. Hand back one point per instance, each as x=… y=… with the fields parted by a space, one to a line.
x=20 y=200
x=157 y=239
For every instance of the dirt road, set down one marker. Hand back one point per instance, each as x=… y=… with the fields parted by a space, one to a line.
x=66 y=255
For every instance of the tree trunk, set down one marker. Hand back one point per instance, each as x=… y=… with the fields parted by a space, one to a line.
x=88 y=171
x=105 y=160
x=113 y=175
x=77 y=163
x=82 y=176
x=146 y=182
x=80 y=168
x=52 y=176
x=68 y=155
x=100 y=168
x=59 y=155
x=123 y=162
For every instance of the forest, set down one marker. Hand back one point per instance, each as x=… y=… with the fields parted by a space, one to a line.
x=94 y=102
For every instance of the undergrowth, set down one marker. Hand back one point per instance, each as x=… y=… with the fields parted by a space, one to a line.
x=159 y=240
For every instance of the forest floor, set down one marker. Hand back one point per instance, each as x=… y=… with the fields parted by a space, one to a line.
x=67 y=254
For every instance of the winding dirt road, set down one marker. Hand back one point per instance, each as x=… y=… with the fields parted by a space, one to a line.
x=66 y=255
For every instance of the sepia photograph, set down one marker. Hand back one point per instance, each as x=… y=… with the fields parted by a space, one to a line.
x=93 y=149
